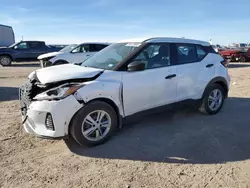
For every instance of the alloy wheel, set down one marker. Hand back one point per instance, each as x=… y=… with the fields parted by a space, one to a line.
x=96 y=125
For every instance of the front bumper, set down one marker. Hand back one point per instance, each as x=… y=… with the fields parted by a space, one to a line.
x=61 y=111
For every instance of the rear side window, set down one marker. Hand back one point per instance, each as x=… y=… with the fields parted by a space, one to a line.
x=36 y=45
x=186 y=53
x=200 y=52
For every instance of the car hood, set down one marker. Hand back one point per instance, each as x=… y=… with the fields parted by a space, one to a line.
x=51 y=54
x=64 y=72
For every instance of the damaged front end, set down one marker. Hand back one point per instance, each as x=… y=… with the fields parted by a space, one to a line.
x=48 y=108
x=33 y=90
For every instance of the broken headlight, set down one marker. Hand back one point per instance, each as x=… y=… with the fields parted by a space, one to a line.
x=58 y=93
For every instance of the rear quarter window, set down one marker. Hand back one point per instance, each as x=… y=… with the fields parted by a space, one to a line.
x=201 y=53
x=186 y=53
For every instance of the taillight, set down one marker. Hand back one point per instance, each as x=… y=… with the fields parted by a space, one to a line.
x=225 y=63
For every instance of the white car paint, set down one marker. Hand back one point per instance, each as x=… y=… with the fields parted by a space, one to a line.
x=67 y=72
x=131 y=92
x=72 y=56
x=51 y=54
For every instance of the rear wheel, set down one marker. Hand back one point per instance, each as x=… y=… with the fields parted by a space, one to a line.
x=213 y=99
x=242 y=59
x=5 y=60
x=93 y=124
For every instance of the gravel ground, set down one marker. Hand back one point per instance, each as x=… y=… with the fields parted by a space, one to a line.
x=173 y=149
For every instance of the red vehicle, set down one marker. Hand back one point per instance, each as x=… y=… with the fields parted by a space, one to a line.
x=236 y=55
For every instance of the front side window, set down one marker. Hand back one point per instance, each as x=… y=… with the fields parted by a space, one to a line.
x=22 y=45
x=111 y=56
x=186 y=53
x=154 y=56
x=68 y=48
x=85 y=48
x=81 y=49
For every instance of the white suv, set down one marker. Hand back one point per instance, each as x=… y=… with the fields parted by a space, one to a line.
x=89 y=102
x=74 y=54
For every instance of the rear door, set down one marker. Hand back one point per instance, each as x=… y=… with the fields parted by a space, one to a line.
x=36 y=49
x=193 y=71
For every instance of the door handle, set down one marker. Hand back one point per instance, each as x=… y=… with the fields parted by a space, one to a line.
x=209 y=65
x=170 y=76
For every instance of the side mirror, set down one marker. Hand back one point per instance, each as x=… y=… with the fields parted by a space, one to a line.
x=136 y=66
x=15 y=47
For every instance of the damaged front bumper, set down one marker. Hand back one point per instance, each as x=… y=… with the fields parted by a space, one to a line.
x=50 y=119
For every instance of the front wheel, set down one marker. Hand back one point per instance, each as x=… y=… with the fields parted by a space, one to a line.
x=213 y=99
x=93 y=124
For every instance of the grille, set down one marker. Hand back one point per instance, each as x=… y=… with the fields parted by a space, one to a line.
x=25 y=97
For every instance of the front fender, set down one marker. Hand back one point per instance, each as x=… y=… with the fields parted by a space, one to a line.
x=111 y=90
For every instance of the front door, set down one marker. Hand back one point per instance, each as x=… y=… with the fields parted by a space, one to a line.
x=153 y=87
x=22 y=51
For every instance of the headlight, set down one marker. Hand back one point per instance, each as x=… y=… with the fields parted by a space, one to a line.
x=58 y=93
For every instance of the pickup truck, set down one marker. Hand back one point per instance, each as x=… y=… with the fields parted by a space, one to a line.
x=24 y=51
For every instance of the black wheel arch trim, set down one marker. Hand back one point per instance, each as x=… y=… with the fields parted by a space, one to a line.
x=10 y=56
x=60 y=60
x=216 y=80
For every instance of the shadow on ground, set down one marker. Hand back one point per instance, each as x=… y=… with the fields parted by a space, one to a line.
x=185 y=136
x=239 y=65
x=9 y=93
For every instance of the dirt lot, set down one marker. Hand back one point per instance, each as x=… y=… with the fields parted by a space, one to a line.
x=172 y=149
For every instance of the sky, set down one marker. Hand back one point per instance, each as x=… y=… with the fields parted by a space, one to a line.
x=75 y=21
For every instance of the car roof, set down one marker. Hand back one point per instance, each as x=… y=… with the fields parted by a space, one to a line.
x=167 y=39
x=31 y=41
x=104 y=43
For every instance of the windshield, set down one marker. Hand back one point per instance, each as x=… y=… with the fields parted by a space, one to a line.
x=13 y=45
x=243 y=45
x=68 y=48
x=111 y=56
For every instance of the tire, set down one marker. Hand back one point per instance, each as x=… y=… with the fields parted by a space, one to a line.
x=5 y=60
x=242 y=59
x=207 y=102
x=80 y=122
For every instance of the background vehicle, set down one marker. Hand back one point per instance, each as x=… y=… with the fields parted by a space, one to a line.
x=23 y=51
x=44 y=58
x=7 y=36
x=75 y=56
x=129 y=77
x=237 y=55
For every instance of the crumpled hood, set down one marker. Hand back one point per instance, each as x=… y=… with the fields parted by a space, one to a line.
x=52 y=54
x=64 y=72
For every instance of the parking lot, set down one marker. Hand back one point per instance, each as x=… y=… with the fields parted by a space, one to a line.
x=178 y=148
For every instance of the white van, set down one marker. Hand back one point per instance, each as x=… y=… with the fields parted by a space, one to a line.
x=7 y=36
